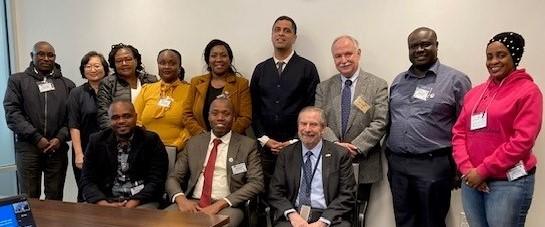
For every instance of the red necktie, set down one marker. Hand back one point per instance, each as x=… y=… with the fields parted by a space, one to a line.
x=209 y=175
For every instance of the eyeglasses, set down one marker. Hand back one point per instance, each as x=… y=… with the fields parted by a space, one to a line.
x=44 y=54
x=345 y=56
x=123 y=60
x=96 y=67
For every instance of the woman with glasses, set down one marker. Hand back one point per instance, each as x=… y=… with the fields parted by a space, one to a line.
x=159 y=104
x=126 y=81
x=494 y=136
x=82 y=109
x=222 y=80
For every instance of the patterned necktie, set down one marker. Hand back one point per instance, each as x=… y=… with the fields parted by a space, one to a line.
x=280 y=67
x=345 y=105
x=306 y=183
x=206 y=196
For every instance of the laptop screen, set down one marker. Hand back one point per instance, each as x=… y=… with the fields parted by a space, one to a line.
x=15 y=212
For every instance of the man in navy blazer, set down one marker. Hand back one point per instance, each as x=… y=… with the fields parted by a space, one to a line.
x=281 y=86
x=312 y=174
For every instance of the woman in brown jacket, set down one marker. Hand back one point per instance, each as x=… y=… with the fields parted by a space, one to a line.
x=222 y=80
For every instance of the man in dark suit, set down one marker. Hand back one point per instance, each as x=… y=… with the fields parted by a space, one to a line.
x=125 y=165
x=281 y=86
x=217 y=171
x=356 y=105
x=313 y=182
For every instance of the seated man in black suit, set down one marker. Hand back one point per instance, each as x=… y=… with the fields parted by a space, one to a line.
x=313 y=182
x=125 y=165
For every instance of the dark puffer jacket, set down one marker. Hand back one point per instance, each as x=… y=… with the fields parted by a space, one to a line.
x=112 y=88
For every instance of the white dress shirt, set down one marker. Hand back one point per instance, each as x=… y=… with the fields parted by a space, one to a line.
x=220 y=187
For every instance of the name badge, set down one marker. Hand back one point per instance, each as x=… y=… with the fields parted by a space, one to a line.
x=422 y=93
x=361 y=104
x=478 y=121
x=516 y=172
x=45 y=86
x=165 y=102
x=136 y=189
x=239 y=168
x=305 y=212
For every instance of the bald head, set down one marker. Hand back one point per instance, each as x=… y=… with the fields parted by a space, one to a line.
x=37 y=46
x=421 y=30
x=121 y=103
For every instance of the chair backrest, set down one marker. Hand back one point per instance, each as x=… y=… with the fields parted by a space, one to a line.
x=171 y=152
x=356 y=168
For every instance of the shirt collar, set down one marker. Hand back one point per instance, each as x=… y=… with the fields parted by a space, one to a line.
x=129 y=140
x=433 y=70
x=224 y=139
x=276 y=60
x=353 y=78
x=315 y=151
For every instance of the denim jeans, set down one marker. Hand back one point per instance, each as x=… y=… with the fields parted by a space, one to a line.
x=506 y=204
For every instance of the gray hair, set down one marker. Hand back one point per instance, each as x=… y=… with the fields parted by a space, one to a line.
x=354 y=41
x=314 y=109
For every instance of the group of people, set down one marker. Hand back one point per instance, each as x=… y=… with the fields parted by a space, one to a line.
x=317 y=146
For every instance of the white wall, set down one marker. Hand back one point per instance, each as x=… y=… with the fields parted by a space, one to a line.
x=463 y=27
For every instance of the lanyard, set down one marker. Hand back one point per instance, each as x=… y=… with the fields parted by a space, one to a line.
x=491 y=100
x=313 y=171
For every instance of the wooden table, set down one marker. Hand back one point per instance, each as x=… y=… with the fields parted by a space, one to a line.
x=48 y=213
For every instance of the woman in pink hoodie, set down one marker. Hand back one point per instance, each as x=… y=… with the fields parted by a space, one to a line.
x=494 y=136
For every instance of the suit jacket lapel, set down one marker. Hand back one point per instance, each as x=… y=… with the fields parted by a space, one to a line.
x=336 y=92
x=232 y=153
x=230 y=86
x=111 y=150
x=202 y=86
x=136 y=144
x=296 y=164
x=199 y=156
x=358 y=90
x=326 y=165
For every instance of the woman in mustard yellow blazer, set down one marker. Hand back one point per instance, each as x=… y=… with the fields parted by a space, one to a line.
x=159 y=104
x=222 y=80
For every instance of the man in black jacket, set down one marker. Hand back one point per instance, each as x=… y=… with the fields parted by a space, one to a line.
x=35 y=105
x=125 y=165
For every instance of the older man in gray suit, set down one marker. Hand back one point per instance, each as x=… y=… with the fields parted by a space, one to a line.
x=356 y=106
x=221 y=169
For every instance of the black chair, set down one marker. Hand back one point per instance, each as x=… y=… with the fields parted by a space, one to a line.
x=360 y=206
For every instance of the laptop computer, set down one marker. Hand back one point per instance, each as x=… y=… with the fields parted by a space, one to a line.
x=15 y=212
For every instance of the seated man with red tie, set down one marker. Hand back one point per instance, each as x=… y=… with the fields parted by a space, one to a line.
x=221 y=169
